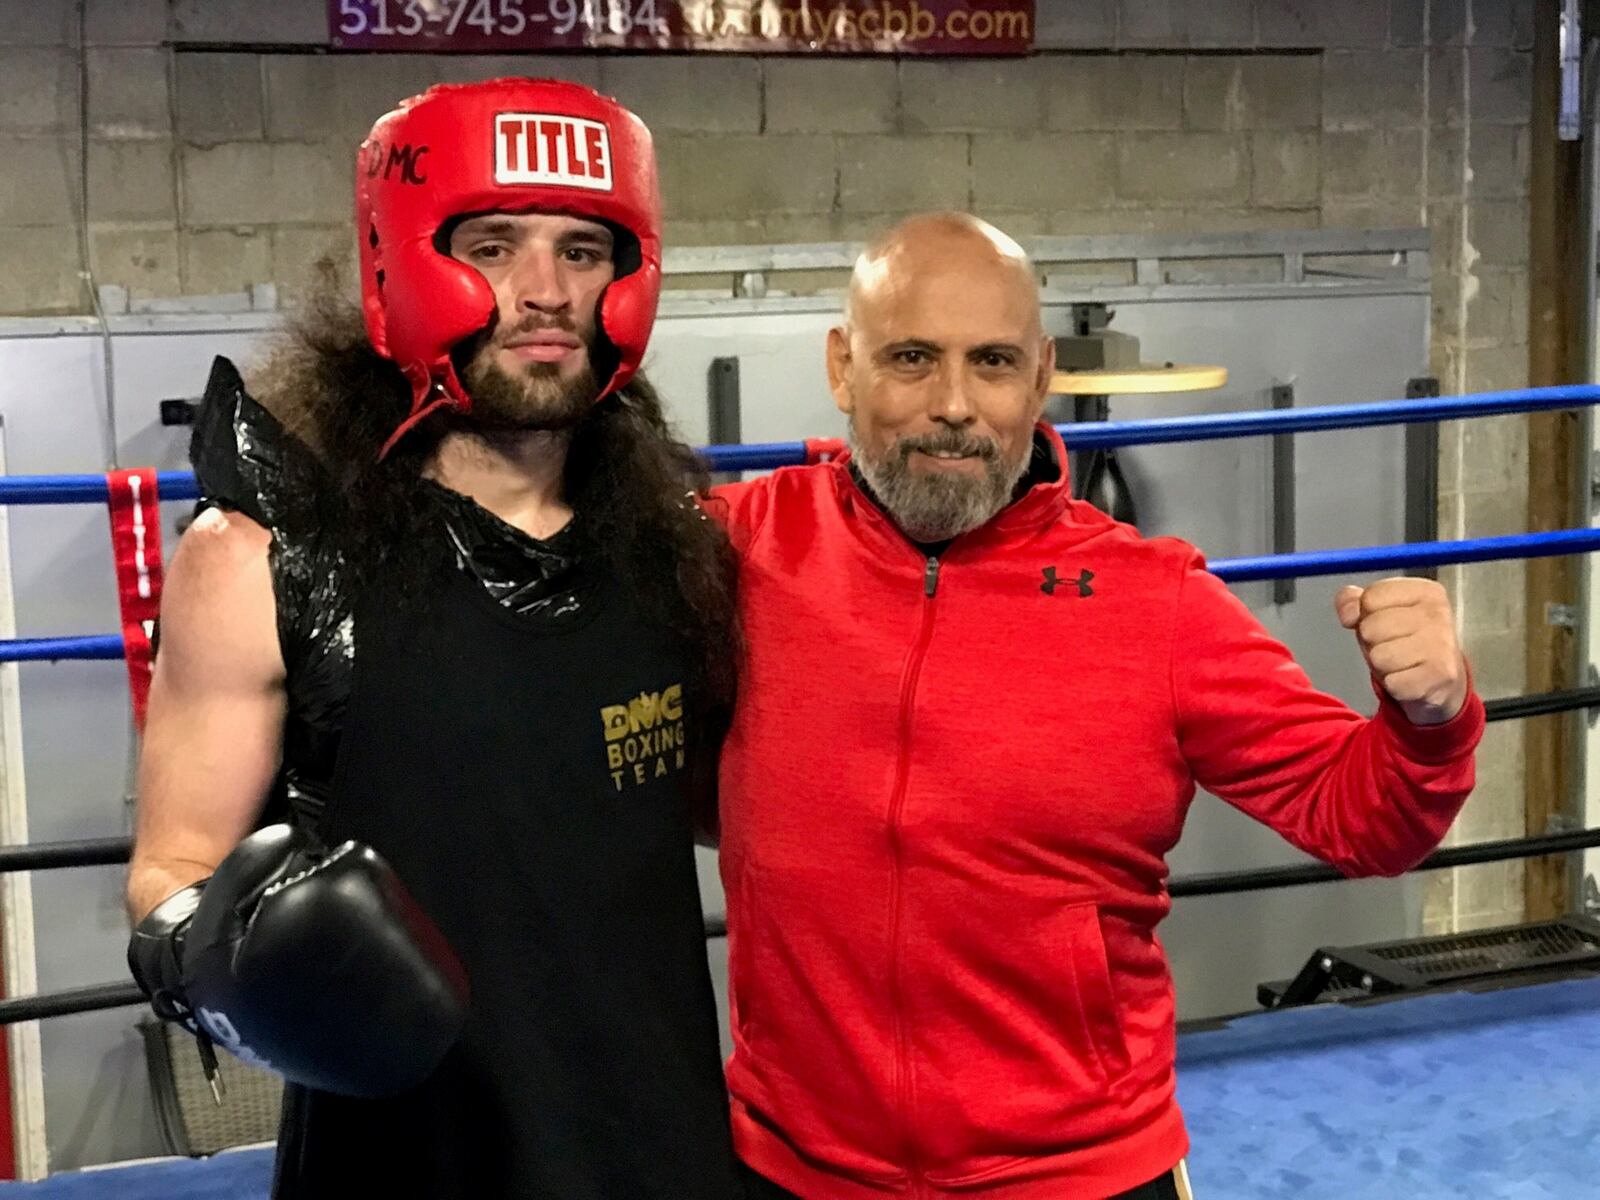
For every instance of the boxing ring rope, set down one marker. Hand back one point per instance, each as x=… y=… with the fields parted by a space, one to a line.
x=181 y=485
x=1090 y=435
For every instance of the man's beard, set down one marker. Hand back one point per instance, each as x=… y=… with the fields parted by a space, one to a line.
x=535 y=398
x=936 y=505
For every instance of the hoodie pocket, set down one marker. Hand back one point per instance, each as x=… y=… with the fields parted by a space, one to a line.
x=1020 y=1047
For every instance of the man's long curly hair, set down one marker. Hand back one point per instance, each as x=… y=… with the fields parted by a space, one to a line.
x=631 y=481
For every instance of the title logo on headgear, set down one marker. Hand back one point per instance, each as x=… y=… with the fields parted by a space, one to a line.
x=542 y=148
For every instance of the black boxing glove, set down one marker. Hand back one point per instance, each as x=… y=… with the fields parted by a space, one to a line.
x=155 y=954
x=319 y=966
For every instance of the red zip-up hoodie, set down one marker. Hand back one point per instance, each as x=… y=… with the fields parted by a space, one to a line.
x=947 y=799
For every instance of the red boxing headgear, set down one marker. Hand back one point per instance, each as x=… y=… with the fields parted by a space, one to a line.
x=507 y=145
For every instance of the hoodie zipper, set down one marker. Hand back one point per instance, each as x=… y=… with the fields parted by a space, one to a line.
x=908 y=691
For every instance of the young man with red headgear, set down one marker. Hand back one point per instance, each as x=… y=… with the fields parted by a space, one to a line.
x=449 y=619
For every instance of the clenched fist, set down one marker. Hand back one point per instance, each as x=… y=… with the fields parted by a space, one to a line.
x=1408 y=637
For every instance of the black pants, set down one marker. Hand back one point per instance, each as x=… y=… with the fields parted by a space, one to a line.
x=758 y=1187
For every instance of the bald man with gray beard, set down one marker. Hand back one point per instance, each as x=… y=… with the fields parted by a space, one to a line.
x=972 y=716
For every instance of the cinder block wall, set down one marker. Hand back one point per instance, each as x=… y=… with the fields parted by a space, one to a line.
x=210 y=168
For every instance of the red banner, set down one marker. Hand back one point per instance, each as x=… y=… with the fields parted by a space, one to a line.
x=136 y=552
x=744 y=26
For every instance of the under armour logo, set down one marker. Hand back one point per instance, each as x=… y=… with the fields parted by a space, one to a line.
x=1051 y=582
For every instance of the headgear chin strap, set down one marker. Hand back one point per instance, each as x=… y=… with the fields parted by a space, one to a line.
x=507 y=145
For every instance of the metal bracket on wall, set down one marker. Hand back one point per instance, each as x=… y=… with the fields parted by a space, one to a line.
x=1283 y=495
x=1422 y=473
x=723 y=408
x=1563 y=615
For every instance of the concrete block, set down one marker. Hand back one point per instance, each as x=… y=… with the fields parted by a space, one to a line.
x=1372 y=162
x=297 y=252
x=673 y=94
x=1449 y=458
x=1439 y=900
x=1367 y=89
x=1501 y=85
x=1497 y=512
x=1497 y=368
x=145 y=261
x=788 y=229
x=1499 y=231
x=1494 y=453
x=1507 y=23
x=1093 y=92
x=831 y=95
x=1281 y=23
x=1075 y=24
x=125 y=22
x=471 y=68
x=41 y=270
x=1285 y=168
x=302 y=97
x=748 y=231
x=132 y=181
x=1446 y=163
x=1496 y=596
x=214 y=262
x=1447 y=87
x=1183 y=170
x=712 y=177
x=1498 y=309
x=41 y=90
x=904 y=174
x=1043 y=171
x=1280 y=91
x=1499 y=660
x=1265 y=91
x=317 y=98
x=1489 y=889
x=1380 y=213
x=1409 y=22
x=1213 y=92
x=38 y=23
x=1146 y=220
x=1500 y=159
x=1323 y=23
x=266 y=183
x=963 y=95
x=39 y=183
x=128 y=93
x=1447 y=21
x=249 y=22
x=1149 y=23
x=220 y=98
x=1218 y=24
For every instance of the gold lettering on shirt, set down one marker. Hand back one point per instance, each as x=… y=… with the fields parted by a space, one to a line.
x=644 y=737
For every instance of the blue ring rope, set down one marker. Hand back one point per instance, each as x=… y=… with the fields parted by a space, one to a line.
x=181 y=485
x=1092 y=435
x=1354 y=561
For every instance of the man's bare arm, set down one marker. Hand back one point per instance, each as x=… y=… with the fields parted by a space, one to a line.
x=215 y=726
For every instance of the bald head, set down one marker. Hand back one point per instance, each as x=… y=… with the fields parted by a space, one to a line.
x=942 y=367
x=936 y=246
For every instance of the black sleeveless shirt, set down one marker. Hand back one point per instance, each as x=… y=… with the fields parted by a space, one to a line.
x=526 y=777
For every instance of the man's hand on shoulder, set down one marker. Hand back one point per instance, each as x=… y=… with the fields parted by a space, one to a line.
x=1407 y=634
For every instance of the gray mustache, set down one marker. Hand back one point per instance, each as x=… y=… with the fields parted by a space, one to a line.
x=948 y=443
